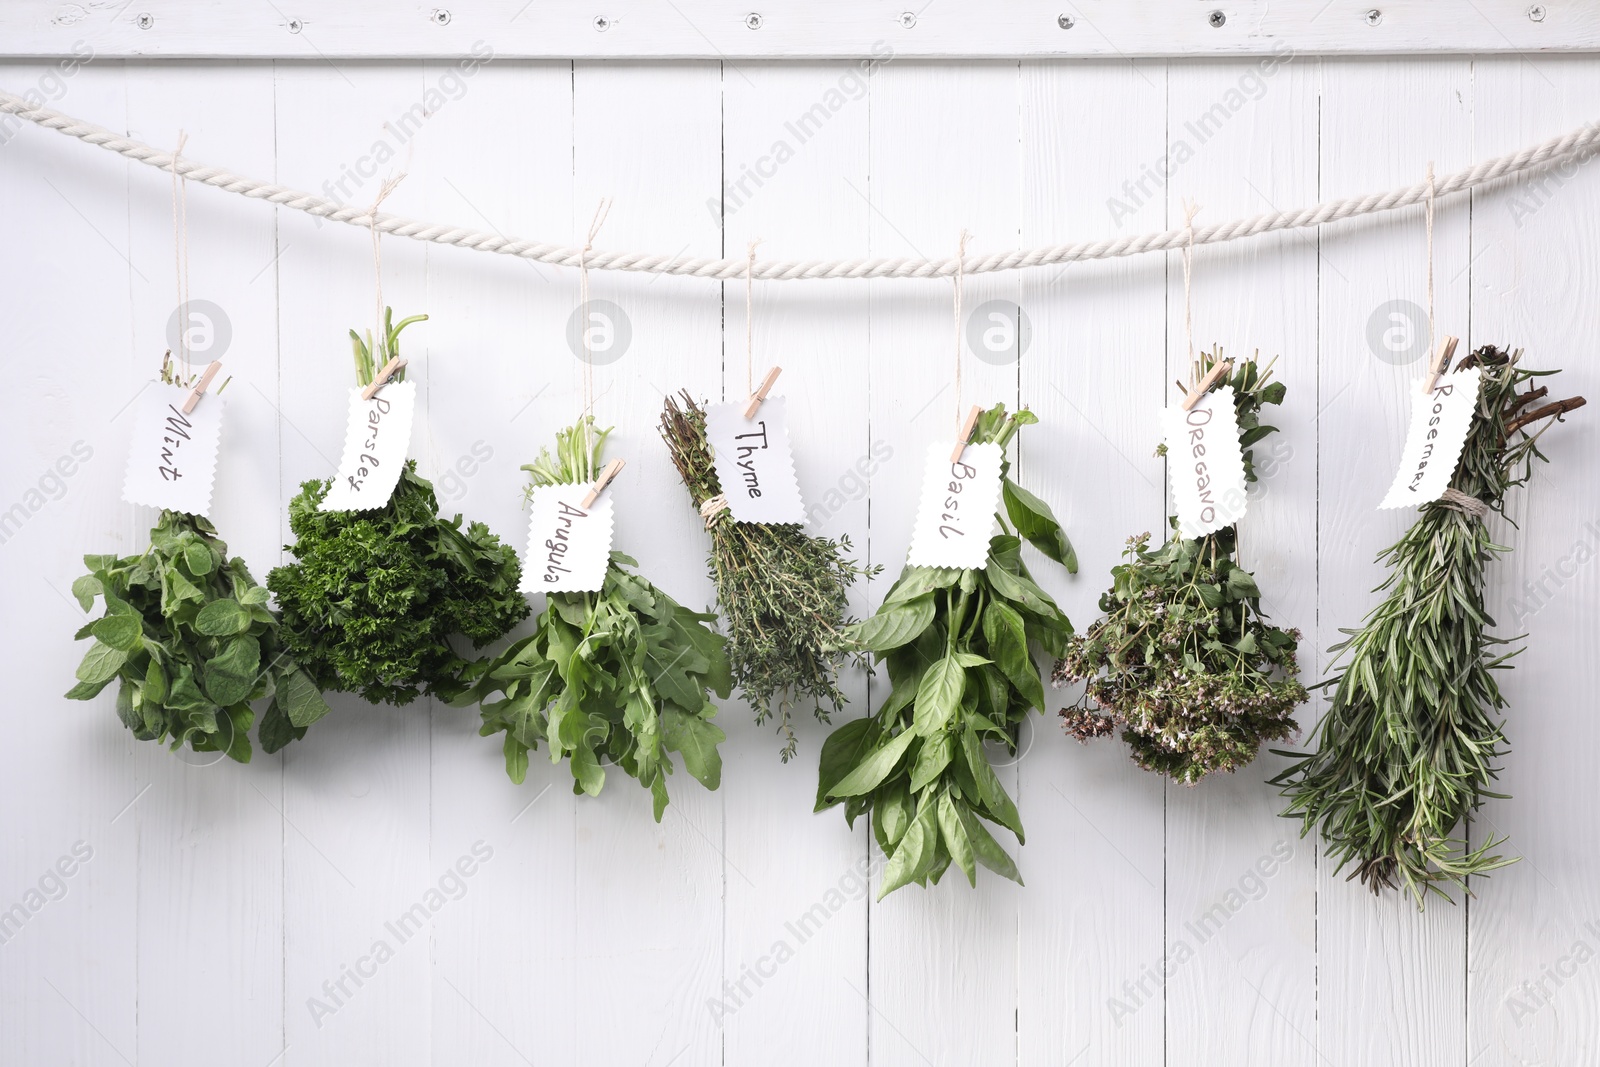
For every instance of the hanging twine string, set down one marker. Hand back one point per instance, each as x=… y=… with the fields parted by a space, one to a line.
x=1190 y=210
x=960 y=276
x=180 y=254
x=749 y=319
x=380 y=341
x=713 y=507
x=600 y=212
x=1431 y=195
x=1574 y=146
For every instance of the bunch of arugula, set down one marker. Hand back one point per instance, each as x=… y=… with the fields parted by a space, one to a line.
x=189 y=638
x=373 y=597
x=959 y=645
x=1184 y=660
x=622 y=676
x=782 y=593
x=1406 y=749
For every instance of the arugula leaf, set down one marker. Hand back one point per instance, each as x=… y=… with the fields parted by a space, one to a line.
x=621 y=677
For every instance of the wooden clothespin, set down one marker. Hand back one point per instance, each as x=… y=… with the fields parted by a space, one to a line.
x=761 y=392
x=966 y=433
x=1441 y=360
x=601 y=482
x=381 y=379
x=200 y=386
x=1203 y=386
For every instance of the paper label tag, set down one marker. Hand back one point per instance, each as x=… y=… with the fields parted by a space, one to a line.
x=1439 y=425
x=375 y=445
x=955 y=514
x=172 y=461
x=568 y=544
x=1205 y=463
x=754 y=464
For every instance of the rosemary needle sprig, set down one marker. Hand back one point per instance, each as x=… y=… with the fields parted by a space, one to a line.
x=783 y=593
x=1407 y=748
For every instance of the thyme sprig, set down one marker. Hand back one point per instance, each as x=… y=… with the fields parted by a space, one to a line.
x=782 y=592
x=1184 y=660
x=1408 y=746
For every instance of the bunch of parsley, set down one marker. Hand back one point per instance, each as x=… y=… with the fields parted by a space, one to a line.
x=374 y=596
x=189 y=638
x=622 y=676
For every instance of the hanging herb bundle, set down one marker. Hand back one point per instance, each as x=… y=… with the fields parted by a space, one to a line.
x=782 y=593
x=373 y=597
x=959 y=645
x=1183 y=660
x=189 y=639
x=623 y=676
x=1406 y=749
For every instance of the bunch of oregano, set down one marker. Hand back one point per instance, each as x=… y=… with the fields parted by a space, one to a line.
x=782 y=593
x=373 y=597
x=959 y=645
x=1407 y=748
x=1184 y=661
x=622 y=676
x=189 y=638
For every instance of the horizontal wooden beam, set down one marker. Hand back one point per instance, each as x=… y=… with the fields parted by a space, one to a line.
x=318 y=30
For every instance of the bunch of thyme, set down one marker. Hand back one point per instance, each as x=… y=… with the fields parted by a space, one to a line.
x=1406 y=749
x=782 y=592
x=1184 y=660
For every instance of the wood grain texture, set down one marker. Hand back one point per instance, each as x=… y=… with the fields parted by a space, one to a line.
x=222 y=903
x=1240 y=888
x=1532 y=930
x=1090 y=942
x=1389 y=979
x=795 y=932
x=715 y=29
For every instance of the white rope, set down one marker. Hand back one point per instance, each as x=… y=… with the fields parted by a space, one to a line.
x=1576 y=145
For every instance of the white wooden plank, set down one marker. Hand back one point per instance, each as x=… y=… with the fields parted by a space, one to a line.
x=211 y=898
x=1531 y=927
x=499 y=379
x=68 y=965
x=356 y=794
x=1091 y=917
x=943 y=959
x=649 y=136
x=1242 y=979
x=1390 y=980
x=797 y=181
x=707 y=29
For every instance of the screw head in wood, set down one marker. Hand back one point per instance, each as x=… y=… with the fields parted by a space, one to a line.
x=440 y=17
x=908 y=19
x=1536 y=12
x=753 y=20
x=1374 y=17
x=145 y=20
x=1217 y=19
x=295 y=25
x=601 y=24
x=1066 y=22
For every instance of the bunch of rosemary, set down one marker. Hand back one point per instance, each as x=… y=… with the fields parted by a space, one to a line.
x=620 y=677
x=782 y=592
x=1406 y=749
x=960 y=647
x=1184 y=660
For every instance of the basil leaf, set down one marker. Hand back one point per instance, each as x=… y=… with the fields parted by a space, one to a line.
x=1035 y=522
x=955 y=837
x=877 y=766
x=894 y=625
x=939 y=695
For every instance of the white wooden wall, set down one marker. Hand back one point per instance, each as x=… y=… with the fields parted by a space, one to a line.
x=218 y=899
